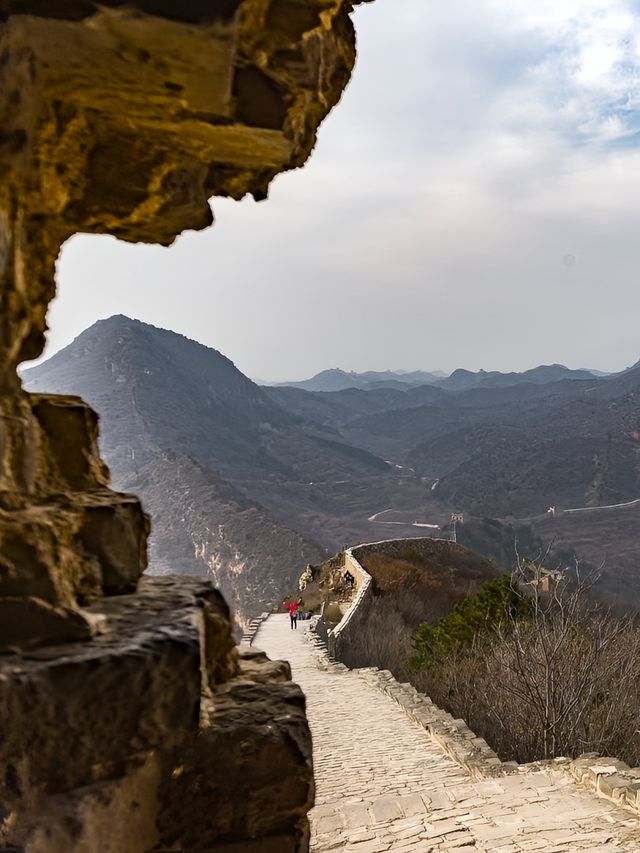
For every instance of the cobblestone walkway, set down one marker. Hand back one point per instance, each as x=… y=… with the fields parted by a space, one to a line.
x=382 y=785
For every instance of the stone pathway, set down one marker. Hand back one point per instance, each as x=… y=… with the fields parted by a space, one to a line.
x=382 y=784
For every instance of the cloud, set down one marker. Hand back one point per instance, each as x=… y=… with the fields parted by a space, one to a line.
x=479 y=143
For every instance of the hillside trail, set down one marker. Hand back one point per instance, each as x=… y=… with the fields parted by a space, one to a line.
x=384 y=785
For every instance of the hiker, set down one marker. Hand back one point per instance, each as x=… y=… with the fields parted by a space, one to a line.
x=349 y=579
x=292 y=607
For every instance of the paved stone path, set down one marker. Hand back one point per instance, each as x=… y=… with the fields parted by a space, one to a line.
x=382 y=784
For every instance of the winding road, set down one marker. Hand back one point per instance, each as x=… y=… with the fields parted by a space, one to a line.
x=375 y=520
x=635 y=502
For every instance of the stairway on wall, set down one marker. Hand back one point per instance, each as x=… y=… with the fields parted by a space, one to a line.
x=383 y=784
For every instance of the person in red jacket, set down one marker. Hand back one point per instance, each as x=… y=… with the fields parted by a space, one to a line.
x=292 y=607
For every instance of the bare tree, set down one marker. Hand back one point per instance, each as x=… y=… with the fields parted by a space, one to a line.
x=562 y=679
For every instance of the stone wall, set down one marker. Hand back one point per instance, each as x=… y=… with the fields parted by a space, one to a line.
x=357 y=613
x=339 y=636
x=253 y=628
x=145 y=738
x=129 y=720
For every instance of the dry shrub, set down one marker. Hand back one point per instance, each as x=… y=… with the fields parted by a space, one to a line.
x=529 y=706
x=410 y=589
x=384 y=639
x=563 y=680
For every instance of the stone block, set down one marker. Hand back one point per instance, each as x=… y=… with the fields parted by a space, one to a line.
x=73 y=548
x=256 y=666
x=356 y=815
x=116 y=816
x=247 y=775
x=75 y=715
x=113 y=530
x=37 y=557
x=412 y=804
x=613 y=785
x=385 y=809
x=220 y=653
x=26 y=623
x=68 y=458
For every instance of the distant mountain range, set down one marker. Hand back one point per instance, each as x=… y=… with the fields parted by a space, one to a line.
x=509 y=447
x=248 y=483
x=460 y=380
x=340 y=380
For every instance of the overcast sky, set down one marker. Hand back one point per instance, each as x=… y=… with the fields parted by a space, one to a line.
x=473 y=201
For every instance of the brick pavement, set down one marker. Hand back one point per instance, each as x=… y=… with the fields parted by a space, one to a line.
x=383 y=785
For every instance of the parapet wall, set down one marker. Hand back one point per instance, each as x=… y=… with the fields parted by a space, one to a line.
x=352 y=619
x=356 y=615
x=252 y=629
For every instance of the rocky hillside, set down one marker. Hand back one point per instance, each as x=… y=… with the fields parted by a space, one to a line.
x=432 y=576
x=238 y=487
x=505 y=450
x=249 y=483
x=578 y=448
x=509 y=452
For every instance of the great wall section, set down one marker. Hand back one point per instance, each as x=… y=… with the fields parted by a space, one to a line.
x=395 y=773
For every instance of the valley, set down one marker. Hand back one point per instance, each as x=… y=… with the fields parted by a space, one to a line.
x=247 y=483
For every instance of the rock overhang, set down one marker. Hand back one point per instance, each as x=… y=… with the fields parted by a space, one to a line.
x=127 y=118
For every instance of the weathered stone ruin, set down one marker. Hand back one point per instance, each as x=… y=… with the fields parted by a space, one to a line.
x=129 y=721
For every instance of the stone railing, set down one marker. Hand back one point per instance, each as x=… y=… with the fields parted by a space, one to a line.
x=252 y=629
x=352 y=620
x=358 y=607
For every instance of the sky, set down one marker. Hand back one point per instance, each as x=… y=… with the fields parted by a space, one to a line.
x=473 y=201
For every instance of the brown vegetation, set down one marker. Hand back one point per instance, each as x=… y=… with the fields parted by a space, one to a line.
x=423 y=582
x=561 y=677
x=562 y=681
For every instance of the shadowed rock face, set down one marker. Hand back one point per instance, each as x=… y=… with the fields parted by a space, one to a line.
x=192 y=11
x=122 y=704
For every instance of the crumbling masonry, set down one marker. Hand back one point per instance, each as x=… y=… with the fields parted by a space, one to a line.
x=129 y=721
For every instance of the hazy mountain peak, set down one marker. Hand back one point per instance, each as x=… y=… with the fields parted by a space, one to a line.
x=238 y=487
x=462 y=379
x=336 y=379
